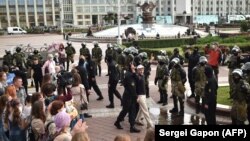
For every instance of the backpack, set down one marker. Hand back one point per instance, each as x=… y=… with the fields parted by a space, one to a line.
x=49 y=134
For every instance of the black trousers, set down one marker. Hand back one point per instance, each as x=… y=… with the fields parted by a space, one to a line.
x=38 y=83
x=69 y=59
x=131 y=110
x=191 y=81
x=210 y=114
x=112 y=90
x=92 y=83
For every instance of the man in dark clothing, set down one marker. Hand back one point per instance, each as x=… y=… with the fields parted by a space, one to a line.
x=37 y=75
x=193 y=60
x=91 y=70
x=129 y=100
x=176 y=55
x=113 y=80
x=70 y=51
x=210 y=96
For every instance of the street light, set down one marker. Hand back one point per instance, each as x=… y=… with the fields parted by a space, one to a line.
x=119 y=40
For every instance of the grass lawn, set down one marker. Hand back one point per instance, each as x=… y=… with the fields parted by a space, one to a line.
x=223 y=95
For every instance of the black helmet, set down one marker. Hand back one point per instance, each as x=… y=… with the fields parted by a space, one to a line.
x=7 y=52
x=83 y=44
x=176 y=50
x=18 y=49
x=119 y=50
x=36 y=51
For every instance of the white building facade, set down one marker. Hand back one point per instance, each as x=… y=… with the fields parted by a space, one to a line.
x=27 y=13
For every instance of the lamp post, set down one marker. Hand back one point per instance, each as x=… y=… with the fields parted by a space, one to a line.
x=61 y=15
x=119 y=40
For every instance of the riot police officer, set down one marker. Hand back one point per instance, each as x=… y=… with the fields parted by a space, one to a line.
x=8 y=59
x=97 y=57
x=19 y=59
x=108 y=52
x=240 y=93
x=176 y=55
x=121 y=63
x=178 y=79
x=200 y=81
x=235 y=61
x=193 y=60
x=70 y=51
x=246 y=74
x=161 y=77
x=37 y=55
x=84 y=50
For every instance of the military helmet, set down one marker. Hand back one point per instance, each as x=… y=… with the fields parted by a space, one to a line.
x=127 y=51
x=238 y=72
x=95 y=44
x=143 y=55
x=109 y=45
x=119 y=50
x=69 y=42
x=133 y=50
x=235 y=49
x=246 y=66
x=176 y=50
x=7 y=52
x=202 y=59
x=18 y=49
x=83 y=44
x=163 y=52
x=36 y=51
x=175 y=60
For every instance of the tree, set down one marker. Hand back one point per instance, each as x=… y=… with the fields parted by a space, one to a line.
x=244 y=26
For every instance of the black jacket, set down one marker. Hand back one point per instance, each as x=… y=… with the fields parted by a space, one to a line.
x=83 y=73
x=113 y=72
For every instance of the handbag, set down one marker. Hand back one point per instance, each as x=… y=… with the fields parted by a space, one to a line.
x=84 y=105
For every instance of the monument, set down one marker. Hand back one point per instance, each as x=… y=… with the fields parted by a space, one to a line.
x=147 y=9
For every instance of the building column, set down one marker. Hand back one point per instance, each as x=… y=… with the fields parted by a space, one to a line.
x=17 y=13
x=159 y=7
x=35 y=13
x=26 y=14
x=44 y=13
x=53 y=13
x=8 y=11
x=172 y=11
x=74 y=12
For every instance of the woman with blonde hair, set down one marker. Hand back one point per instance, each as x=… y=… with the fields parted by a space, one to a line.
x=82 y=136
x=3 y=82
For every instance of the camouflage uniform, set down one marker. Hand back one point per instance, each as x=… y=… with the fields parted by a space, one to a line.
x=178 y=79
x=200 y=80
x=8 y=59
x=19 y=60
x=246 y=72
x=97 y=57
x=240 y=93
x=84 y=50
x=234 y=62
x=70 y=51
x=147 y=70
x=162 y=78
x=121 y=65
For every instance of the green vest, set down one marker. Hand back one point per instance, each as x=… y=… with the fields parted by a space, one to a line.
x=84 y=51
x=237 y=94
x=175 y=75
x=200 y=75
x=160 y=71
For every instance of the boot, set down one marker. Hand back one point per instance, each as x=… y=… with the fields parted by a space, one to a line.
x=197 y=108
x=134 y=130
x=118 y=125
x=161 y=97
x=181 y=113
x=110 y=106
x=165 y=98
x=175 y=109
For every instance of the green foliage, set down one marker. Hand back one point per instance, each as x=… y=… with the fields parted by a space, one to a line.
x=223 y=95
x=162 y=43
x=235 y=39
x=244 y=26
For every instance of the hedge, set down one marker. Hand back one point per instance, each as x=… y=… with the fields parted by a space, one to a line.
x=236 y=39
x=162 y=43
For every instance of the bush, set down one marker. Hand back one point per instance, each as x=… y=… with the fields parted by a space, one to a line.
x=244 y=26
x=162 y=43
x=235 y=39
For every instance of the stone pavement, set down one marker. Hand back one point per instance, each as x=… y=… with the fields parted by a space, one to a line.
x=101 y=126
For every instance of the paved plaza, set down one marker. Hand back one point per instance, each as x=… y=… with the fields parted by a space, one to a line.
x=101 y=126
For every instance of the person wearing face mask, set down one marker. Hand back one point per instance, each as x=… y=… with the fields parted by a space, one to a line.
x=193 y=60
x=235 y=61
x=200 y=80
x=240 y=93
x=210 y=96
x=178 y=79
x=176 y=55
x=246 y=73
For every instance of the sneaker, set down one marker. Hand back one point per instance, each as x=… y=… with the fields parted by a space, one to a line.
x=174 y=110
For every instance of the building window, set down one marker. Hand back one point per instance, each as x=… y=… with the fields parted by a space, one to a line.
x=102 y=9
x=79 y=16
x=80 y=23
x=87 y=23
x=94 y=1
x=94 y=9
x=217 y=9
x=79 y=9
x=87 y=17
x=86 y=1
x=168 y=2
x=169 y=9
x=86 y=9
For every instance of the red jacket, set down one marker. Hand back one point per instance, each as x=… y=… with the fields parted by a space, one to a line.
x=214 y=57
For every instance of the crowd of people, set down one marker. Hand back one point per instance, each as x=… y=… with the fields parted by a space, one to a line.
x=58 y=108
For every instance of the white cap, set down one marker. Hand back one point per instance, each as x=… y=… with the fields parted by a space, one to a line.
x=140 y=67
